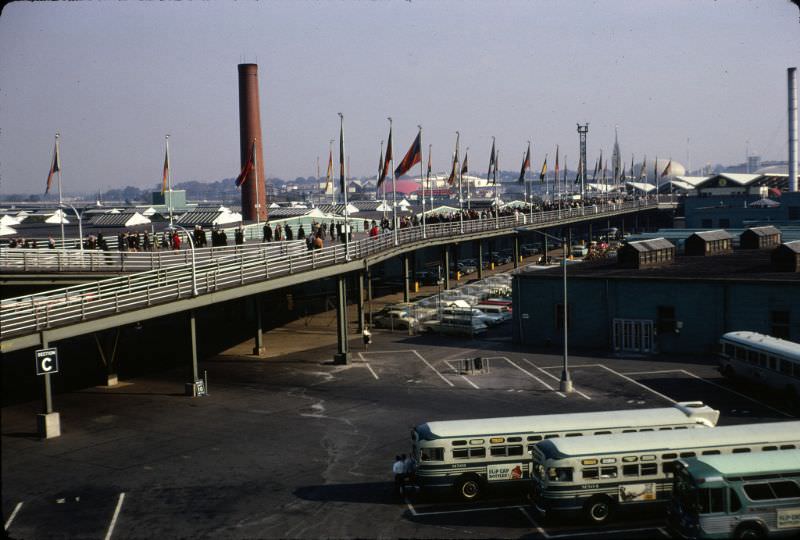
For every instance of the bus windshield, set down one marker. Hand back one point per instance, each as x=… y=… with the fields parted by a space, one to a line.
x=685 y=493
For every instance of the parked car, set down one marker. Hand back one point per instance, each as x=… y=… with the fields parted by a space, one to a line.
x=394 y=319
x=501 y=312
x=530 y=249
x=466 y=268
x=499 y=258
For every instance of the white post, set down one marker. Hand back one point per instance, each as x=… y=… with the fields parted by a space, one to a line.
x=169 y=180
x=422 y=180
x=343 y=172
x=460 y=197
x=394 y=190
x=60 y=201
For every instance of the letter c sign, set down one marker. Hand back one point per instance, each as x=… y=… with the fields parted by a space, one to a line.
x=46 y=361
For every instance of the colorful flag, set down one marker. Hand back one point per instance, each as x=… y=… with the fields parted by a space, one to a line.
x=412 y=157
x=643 y=170
x=565 y=170
x=165 y=175
x=452 y=178
x=429 y=161
x=248 y=166
x=465 y=165
x=526 y=165
x=55 y=166
x=667 y=170
x=596 y=167
x=655 y=170
x=556 y=175
x=580 y=171
x=543 y=172
x=329 y=172
x=622 y=176
x=342 y=171
x=387 y=160
x=492 y=161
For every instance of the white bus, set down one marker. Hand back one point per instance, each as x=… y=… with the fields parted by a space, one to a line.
x=600 y=474
x=470 y=455
x=737 y=496
x=764 y=359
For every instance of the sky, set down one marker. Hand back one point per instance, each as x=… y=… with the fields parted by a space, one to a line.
x=699 y=81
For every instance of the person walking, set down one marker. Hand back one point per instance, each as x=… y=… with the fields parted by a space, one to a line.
x=267 y=233
x=398 y=469
x=301 y=233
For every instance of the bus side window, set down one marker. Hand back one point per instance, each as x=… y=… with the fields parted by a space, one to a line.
x=477 y=452
x=515 y=450
x=608 y=472
x=497 y=450
x=687 y=454
x=602 y=433
x=785 y=489
x=769 y=448
x=649 y=469
x=460 y=453
x=551 y=436
x=788 y=447
x=711 y=500
x=740 y=353
x=772 y=363
x=534 y=437
x=733 y=501
x=711 y=452
x=574 y=435
x=630 y=470
x=758 y=492
x=432 y=454
x=741 y=450
x=590 y=473
x=728 y=348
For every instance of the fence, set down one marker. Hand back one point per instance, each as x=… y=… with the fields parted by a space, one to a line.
x=227 y=268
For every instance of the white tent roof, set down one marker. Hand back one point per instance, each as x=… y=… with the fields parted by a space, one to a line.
x=8 y=220
x=57 y=217
x=765 y=203
x=641 y=186
x=5 y=230
x=226 y=216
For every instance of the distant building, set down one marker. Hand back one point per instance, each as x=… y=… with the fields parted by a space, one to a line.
x=679 y=308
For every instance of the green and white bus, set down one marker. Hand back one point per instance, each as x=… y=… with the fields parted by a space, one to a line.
x=468 y=456
x=765 y=360
x=598 y=475
x=737 y=496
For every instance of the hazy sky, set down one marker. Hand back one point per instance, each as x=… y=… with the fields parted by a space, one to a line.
x=115 y=77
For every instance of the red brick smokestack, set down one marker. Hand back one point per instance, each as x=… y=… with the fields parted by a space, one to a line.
x=249 y=129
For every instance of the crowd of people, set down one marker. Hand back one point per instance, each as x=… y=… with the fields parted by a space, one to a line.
x=315 y=238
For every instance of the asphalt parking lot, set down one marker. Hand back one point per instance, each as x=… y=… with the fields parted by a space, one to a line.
x=295 y=447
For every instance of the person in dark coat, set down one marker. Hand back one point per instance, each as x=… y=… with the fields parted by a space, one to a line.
x=267 y=233
x=288 y=231
x=301 y=233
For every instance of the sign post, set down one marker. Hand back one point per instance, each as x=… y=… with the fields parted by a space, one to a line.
x=48 y=423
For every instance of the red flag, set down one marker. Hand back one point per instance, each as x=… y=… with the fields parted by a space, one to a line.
x=387 y=159
x=452 y=178
x=492 y=161
x=55 y=166
x=412 y=157
x=556 y=175
x=429 y=160
x=526 y=164
x=465 y=166
x=248 y=167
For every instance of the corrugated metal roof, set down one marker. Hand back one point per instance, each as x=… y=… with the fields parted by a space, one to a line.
x=793 y=246
x=766 y=230
x=198 y=217
x=651 y=245
x=123 y=219
x=288 y=212
x=718 y=234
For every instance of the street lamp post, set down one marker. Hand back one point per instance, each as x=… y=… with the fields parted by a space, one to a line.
x=565 y=384
x=194 y=265
x=80 y=228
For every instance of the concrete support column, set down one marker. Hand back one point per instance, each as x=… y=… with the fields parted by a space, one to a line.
x=258 y=348
x=516 y=251
x=190 y=387
x=406 y=278
x=590 y=232
x=480 y=258
x=446 y=269
x=369 y=293
x=342 y=355
x=569 y=241
x=48 y=423
x=360 y=279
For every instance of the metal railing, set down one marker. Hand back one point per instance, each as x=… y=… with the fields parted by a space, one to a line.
x=235 y=267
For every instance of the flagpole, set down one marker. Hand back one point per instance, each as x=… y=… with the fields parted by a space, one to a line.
x=430 y=189
x=422 y=181
x=60 y=200
x=469 y=196
x=255 y=172
x=169 y=181
x=496 y=192
x=460 y=177
x=380 y=168
x=394 y=190
x=344 y=186
x=329 y=174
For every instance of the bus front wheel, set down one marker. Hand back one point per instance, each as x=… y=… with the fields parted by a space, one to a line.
x=468 y=487
x=749 y=532
x=599 y=509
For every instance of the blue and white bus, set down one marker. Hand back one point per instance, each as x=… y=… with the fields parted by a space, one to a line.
x=469 y=456
x=737 y=496
x=596 y=476
x=765 y=360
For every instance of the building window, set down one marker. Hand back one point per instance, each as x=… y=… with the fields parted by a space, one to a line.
x=724 y=223
x=666 y=319
x=779 y=324
x=705 y=223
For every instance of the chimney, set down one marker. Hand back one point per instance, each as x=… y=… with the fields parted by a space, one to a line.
x=253 y=193
x=792 y=75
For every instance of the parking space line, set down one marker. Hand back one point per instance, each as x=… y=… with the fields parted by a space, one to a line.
x=116 y=515
x=475 y=386
x=690 y=374
x=536 y=525
x=637 y=383
x=529 y=374
x=433 y=368
x=554 y=377
x=602 y=532
x=653 y=372
x=559 y=366
x=464 y=510
x=13 y=515
x=369 y=367
x=663 y=531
